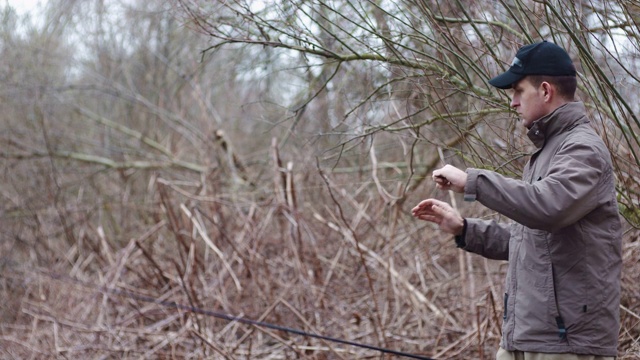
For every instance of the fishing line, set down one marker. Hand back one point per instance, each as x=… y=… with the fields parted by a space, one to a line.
x=228 y=317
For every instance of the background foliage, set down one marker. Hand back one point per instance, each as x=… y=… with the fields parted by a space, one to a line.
x=262 y=158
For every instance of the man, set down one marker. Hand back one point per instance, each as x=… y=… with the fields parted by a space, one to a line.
x=562 y=289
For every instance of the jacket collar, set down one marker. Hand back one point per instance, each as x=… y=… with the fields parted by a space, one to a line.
x=563 y=118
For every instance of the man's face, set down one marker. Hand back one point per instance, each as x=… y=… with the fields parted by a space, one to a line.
x=528 y=101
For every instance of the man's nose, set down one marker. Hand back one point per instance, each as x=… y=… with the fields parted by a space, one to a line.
x=515 y=103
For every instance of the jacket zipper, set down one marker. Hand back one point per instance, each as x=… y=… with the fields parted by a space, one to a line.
x=562 y=329
x=506 y=299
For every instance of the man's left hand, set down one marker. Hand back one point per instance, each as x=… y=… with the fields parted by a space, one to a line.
x=450 y=178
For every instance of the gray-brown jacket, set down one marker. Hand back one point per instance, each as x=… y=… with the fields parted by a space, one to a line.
x=564 y=249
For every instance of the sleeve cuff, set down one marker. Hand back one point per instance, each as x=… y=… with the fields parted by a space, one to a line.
x=460 y=238
x=471 y=185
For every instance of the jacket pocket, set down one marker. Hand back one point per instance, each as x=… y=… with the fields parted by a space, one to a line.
x=535 y=260
x=537 y=298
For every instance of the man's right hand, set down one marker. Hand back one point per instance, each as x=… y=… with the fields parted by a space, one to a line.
x=441 y=213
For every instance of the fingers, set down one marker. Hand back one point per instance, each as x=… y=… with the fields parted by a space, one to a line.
x=450 y=178
x=423 y=204
x=440 y=209
x=443 y=173
x=441 y=213
x=441 y=182
x=439 y=203
x=424 y=207
x=430 y=207
x=440 y=178
x=430 y=218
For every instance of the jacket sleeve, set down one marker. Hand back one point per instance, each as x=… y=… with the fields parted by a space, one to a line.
x=568 y=192
x=487 y=238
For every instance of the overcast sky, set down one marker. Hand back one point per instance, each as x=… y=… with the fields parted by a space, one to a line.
x=22 y=6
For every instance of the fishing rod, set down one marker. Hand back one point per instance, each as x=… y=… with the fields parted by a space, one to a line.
x=231 y=318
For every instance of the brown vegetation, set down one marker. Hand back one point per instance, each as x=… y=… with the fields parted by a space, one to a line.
x=271 y=175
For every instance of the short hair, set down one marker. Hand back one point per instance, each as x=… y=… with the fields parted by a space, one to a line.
x=565 y=85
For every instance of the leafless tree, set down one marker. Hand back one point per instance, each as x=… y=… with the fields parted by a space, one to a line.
x=260 y=158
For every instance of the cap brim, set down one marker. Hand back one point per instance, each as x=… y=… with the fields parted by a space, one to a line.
x=505 y=80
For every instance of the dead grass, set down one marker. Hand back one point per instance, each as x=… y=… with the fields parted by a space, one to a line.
x=350 y=267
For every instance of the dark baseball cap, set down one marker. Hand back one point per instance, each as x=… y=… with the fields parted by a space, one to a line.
x=542 y=58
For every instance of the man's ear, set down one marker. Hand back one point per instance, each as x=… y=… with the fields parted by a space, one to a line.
x=548 y=91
